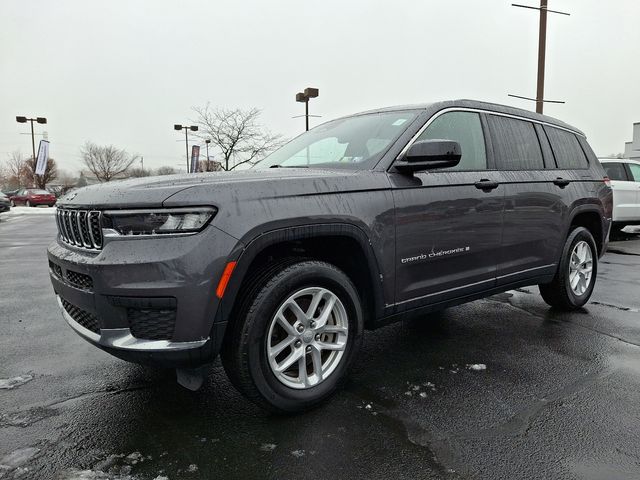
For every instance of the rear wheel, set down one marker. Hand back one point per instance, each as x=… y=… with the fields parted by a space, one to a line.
x=295 y=337
x=576 y=276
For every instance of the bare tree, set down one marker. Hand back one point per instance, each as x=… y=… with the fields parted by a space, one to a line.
x=50 y=172
x=210 y=166
x=13 y=170
x=138 y=172
x=236 y=134
x=66 y=180
x=165 y=171
x=106 y=162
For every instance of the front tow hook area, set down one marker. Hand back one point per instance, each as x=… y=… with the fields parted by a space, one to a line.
x=191 y=378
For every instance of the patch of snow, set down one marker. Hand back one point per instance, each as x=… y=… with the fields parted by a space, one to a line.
x=134 y=458
x=9 y=383
x=298 y=453
x=18 y=211
x=94 y=475
x=423 y=394
x=192 y=468
x=19 y=457
x=478 y=367
x=268 y=447
x=368 y=406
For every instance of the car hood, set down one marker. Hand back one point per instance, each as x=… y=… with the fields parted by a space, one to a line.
x=209 y=188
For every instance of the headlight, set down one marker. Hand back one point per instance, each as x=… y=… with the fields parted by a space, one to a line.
x=162 y=221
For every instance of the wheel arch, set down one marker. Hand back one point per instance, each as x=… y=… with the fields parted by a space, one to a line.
x=591 y=218
x=358 y=261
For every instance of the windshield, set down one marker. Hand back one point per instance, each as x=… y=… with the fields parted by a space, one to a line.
x=351 y=141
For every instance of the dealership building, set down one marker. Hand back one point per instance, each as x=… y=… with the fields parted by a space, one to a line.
x=632 y=148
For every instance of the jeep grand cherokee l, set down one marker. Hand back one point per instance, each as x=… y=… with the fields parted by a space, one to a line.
x=359 y=222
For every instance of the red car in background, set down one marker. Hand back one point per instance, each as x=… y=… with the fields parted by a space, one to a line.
x=32 y=197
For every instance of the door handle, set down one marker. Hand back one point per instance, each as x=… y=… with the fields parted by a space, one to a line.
x=486 y=185
x=561 y=182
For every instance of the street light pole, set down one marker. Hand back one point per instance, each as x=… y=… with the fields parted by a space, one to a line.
x=303 y=97
x=542 y=48
x=193 y=128
x=41 y=120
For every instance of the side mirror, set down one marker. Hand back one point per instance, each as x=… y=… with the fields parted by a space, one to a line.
x=429 y=154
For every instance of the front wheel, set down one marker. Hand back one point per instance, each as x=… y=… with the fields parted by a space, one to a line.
x=573 y=283
x=295 y=337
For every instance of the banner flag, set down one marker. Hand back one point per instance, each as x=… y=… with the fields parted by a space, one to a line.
x=43 y=157
x=195 y=159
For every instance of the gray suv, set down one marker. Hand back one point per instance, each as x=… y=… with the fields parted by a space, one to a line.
x=359 y=222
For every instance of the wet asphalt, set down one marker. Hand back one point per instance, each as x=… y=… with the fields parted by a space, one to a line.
x=559 y=398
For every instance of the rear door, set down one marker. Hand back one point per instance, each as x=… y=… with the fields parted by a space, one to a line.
x=534 y=204
x=634 y=169
x=625 y=192
x=448 y=227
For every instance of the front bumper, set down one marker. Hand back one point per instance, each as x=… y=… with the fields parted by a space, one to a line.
x=145 y=300
x=121 y=343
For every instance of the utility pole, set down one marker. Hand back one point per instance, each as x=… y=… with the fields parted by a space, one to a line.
x=542 y=48
x=142 y=163
x=193 y=128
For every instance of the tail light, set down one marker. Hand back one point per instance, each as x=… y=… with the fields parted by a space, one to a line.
x=607 y=181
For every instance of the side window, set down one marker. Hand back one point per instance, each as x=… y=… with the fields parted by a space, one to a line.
x=464 y=128
x=515 y=144
x=615 y=171
x=566 y=149
x=635 y=171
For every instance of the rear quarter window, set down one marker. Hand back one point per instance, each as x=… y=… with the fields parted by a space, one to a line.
x=515 y=144
x=615 y=171
x=566 y=149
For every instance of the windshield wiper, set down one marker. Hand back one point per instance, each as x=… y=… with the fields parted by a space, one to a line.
x=288 y=166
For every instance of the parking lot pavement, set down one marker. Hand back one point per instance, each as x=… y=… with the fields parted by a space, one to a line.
x=499 y=388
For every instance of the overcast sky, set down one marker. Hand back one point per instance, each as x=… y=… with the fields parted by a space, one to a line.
x=122 y=72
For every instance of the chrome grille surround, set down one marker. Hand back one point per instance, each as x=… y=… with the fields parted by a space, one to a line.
x=80 y=228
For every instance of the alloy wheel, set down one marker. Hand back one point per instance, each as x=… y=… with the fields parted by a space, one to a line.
x=307 y=337
x=580 y=268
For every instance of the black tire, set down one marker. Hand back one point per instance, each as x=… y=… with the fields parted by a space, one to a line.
x=558 y=293
x=244 y=354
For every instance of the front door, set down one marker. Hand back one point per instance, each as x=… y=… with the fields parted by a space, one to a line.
x=448 y=221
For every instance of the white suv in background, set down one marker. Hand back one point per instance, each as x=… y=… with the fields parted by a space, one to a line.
x=625 y=182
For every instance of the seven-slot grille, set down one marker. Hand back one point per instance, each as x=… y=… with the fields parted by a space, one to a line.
x=80 y=228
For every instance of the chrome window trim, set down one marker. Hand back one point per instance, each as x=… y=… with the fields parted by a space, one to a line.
x=479 y=111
